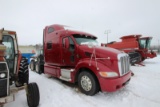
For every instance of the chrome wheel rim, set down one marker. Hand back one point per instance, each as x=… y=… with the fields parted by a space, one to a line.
x=86 y=83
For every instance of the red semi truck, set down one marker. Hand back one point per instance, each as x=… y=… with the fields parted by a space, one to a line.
x=135 y=45
x=72 y=56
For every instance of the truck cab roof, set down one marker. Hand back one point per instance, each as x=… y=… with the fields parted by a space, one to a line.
x=63 y=28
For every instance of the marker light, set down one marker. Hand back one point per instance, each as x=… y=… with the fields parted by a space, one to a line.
x=108 y=74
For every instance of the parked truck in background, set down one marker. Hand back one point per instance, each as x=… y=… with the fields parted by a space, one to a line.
x=27 y=51
x=14 y=74
x=37 y=61
x=72 y=56
x=136 y=46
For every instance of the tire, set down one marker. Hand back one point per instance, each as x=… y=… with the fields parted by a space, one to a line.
x=88 y=84
x=32 y=65
x=23 y=74
x=37 y=68
x=33 y=95
x=142 y=58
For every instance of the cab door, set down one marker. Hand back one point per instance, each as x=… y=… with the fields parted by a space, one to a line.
x=68 y=51
x=11 y=56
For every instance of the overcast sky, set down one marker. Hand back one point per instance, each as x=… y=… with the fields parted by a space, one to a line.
x=122 y=17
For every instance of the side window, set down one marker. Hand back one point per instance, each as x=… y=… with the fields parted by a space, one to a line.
x=71 y=44
x=49 y=45
x=50 y=30
x=63 y=41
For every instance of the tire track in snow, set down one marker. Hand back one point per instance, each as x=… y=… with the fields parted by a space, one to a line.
x=144 y=97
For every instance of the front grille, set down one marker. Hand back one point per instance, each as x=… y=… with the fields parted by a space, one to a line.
x=3 y=67
x=3 y=79
x=123 y=63
x=3 y=87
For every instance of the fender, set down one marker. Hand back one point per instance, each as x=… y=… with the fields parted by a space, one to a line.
x=91 y=65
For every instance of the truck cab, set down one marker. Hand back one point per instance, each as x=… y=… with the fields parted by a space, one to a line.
x=9 y=40
x=144 y=44
x=74 y=56
x=37 y=62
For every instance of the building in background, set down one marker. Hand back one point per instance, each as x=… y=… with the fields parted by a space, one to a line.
x=27 y=49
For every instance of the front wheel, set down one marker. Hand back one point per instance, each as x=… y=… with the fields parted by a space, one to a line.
x=33 y=95
x=88 y=83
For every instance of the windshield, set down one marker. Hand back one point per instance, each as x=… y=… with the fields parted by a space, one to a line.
x=85 y=40
x=8 y=41
x=145 y=43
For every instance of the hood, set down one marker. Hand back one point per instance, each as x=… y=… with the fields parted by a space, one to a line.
x=110 y=55
x=101 y=52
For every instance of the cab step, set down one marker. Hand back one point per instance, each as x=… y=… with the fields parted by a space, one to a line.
x=66 y=74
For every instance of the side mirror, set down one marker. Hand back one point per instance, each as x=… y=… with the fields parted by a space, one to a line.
x=66 y=43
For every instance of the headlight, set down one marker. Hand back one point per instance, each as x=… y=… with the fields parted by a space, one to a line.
x=2 y=75
x=35 y=59
x=108 y=74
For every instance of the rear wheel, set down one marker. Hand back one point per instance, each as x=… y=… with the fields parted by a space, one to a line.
x=142 y=57
x=33 y=95
x=32 y=65
x=23 y=74
x=88 y=83
x=37 y=68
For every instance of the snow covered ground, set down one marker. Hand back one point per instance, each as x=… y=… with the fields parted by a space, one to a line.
x=142 y=91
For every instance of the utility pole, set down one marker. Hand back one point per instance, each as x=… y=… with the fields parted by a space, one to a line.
x=107 y=32
x=158 y=47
